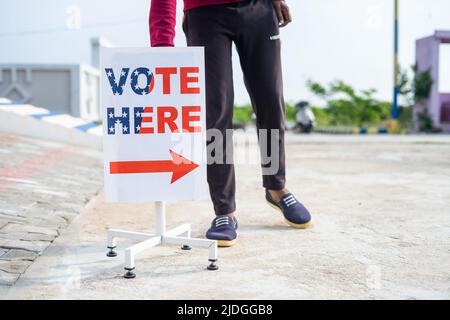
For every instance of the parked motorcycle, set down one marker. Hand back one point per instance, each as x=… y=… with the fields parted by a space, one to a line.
x=305 y=119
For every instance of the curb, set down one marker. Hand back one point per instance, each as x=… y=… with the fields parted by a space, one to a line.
x=29 y=120
x=351 y=130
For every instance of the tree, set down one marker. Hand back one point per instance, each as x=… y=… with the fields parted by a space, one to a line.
x=347 y=107
x=415 y=92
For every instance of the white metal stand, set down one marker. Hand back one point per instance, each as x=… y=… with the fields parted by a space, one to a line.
x=160 y=237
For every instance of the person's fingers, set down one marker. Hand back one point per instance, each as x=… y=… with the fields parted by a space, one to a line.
x=277 y=7
x=287 y=18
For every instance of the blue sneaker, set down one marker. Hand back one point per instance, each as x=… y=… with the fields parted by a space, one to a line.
x=223 y=229
x=295 y=214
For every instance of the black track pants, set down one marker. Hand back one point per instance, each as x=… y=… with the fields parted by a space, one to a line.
x=253 y=26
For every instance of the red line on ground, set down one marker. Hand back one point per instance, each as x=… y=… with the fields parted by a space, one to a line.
x=33 y=166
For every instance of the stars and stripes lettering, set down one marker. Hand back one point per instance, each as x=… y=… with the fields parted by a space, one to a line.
x=149 y=119
x=188 y=80
x=118 y=123
x=149 y=81
x=143 y=120
x=146 y=119
x=117 y=87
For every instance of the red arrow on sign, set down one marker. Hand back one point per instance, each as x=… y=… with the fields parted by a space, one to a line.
x=179 y=166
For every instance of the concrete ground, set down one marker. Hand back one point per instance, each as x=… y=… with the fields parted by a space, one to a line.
x=43 y=186
x=381 y=230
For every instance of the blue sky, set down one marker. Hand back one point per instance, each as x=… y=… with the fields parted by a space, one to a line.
x=328 y=39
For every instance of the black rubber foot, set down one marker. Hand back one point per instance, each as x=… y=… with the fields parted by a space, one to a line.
x=111 y=252
x=186 y=247
x=212 y=265
x=129 y=274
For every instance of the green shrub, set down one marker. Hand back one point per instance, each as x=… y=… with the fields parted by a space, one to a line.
x=242 y=114
x=405 y=117
x=322 y=117
x=344 y=106
x=290 y=110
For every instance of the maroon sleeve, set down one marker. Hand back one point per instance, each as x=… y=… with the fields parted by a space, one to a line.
x=162 y=22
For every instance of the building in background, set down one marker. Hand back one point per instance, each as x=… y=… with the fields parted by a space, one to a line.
x=62 y=88
x=427 y=58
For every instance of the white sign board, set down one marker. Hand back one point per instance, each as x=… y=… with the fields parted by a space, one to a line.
x=153 y=102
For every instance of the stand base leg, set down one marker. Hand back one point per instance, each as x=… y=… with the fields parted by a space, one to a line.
x=212 y=266
x=162 y=237
x=111 y=252
x=129 y=274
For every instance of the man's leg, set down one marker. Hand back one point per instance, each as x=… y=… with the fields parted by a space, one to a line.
x=206 y=26
x=258 y=44
x=259 y=47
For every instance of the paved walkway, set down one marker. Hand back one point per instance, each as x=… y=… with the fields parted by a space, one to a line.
x=381 y=230
x=43 y=186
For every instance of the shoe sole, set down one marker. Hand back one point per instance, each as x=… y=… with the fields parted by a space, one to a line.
x=225 y=243
x=293 y=225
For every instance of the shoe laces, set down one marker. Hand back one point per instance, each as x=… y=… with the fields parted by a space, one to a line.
x=289 y=200
x=221 y=221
